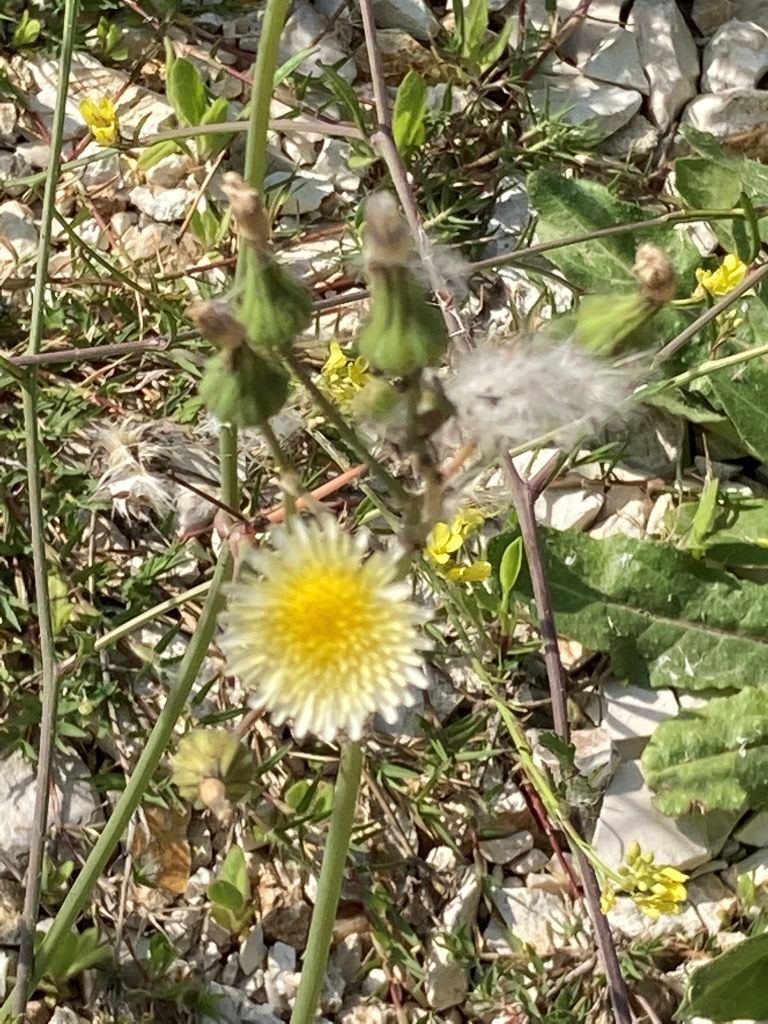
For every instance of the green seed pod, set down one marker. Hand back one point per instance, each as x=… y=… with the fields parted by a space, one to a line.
x=242 y=388
x=208 y=756
x=274 y=306
x=378 y=401
x=404 y=333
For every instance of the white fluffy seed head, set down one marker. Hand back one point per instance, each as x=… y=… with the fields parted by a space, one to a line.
x=508 y=396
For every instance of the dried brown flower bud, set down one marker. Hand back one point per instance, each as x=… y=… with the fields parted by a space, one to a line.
x=217 y=323
x=655 y=274
x=387 y=240
x=248 y=208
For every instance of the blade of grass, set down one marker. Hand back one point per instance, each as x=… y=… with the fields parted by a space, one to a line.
x=49 y=685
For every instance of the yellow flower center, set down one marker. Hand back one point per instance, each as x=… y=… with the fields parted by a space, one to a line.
x=324 y=617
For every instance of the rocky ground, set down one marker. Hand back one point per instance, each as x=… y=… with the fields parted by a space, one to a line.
x=455 y=851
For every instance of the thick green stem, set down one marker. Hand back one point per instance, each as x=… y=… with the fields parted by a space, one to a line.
x=329 y=886
x=261 y=96
x=49 y=686
x=156 y=745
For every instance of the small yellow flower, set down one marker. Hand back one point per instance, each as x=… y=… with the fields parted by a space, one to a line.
x=442 y=542
x=446 y=539
x=655 y=889
x=101 y=117
x=341 y=377
x=476 y=572
x=321 y=635
x=728 y=275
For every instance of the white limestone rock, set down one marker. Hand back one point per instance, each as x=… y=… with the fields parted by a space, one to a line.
x=73 y=799
x=568 y=509
x=754 y=831
x=738 y=110
x=162 y=205
x=306 y=28
x=305 y=192
x=736 y=57
x=637 y=139
x=709 y=15
x=669 y=56
x=597 y=107
x=412 y=16
x=169 y=172
x=9 y=120
x=617 y=61
x=628 y=815
x=18 y=237
x=630 y=714
x=506 y=848
x=532 y=916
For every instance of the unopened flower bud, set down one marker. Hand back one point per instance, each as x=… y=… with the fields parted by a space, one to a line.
x=248 y=208
x=274 y=306
x=210 y=766
x=217 y=323
x=387 y=240
x=242 y=388
x=655 y=274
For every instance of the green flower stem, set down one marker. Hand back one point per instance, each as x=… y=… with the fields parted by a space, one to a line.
x=131 y=797
x=286 y=467
x=261 y=95
x=49 y=693
x=704 y=369
x=329 y=886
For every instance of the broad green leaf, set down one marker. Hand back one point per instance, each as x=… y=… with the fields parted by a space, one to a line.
x=409 y=112
x=738 y=535
x=225 y=895
x=714 y=758
x=509 y=570
x=568 y=206
x=186 y=91
x=664 y=618
x=61 y=607
x=742 y=393
x=708 y=184
x=732 y=985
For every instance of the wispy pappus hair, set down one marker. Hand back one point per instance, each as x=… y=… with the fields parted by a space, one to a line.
x=531 y=387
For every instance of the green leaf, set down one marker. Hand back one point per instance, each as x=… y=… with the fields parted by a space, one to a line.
x=712 y=759
x=212 y=145
x=26 y=32
x=186 y=92
x=742 y=393
x=708 y=184
x=475 y=27
x=703 y=520
x=509 y=570
x=409 y=112
x=568 y=206
x=732 y=985
x=346 y=96
x=235 y=871
x=157 y=152
x=493 y=51
x=225 y=895
x=738 y=535
x=664 y=618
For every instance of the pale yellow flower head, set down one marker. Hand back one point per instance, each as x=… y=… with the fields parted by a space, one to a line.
x=728 y=275
x=321 y=634
x=656 y=889
x=100 y=115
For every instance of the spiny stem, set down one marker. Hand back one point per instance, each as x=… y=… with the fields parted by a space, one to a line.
x=524 y=499
x=329 y=886
x=50 y=689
